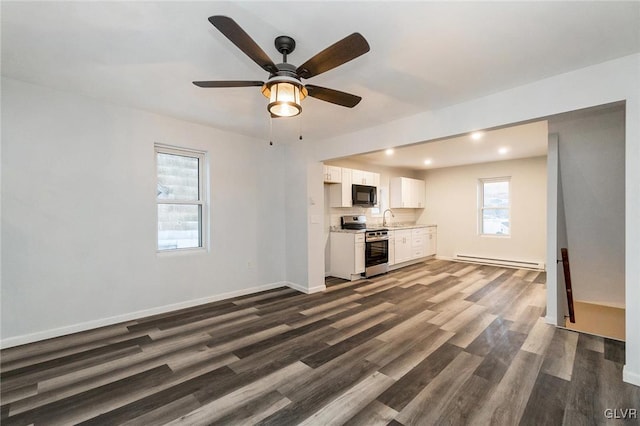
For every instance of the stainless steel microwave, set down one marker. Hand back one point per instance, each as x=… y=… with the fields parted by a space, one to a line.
x=364 y=195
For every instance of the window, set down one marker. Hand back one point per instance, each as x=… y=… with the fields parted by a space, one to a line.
x=180 y=198
x=494 y=206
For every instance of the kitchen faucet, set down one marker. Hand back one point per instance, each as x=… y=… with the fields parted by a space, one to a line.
x=384 y=221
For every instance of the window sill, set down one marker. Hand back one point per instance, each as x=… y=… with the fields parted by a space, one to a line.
x=181 y=252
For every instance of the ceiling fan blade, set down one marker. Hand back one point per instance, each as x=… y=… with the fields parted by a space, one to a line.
x=334 y=96
x=230 y=29
x=228 y=83
x=335 y=55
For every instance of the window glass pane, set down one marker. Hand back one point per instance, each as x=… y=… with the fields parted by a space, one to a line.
x=496 y=194
x=495 y=221
x=178 y=226
x=177 y=177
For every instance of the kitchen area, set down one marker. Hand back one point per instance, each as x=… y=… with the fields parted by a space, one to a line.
x=372 y=216
x=424 y=200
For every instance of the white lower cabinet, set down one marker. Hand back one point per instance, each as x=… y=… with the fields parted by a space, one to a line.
x=402 y=245
x=392 y=248
x=347 y=255
x=406 y=245
x=418 y=242
x=359 y=257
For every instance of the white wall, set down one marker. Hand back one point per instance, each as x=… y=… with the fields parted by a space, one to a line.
x=452 y=204
x=611 y=81
x=296 y=205
x=79 y=214
x=592 y=169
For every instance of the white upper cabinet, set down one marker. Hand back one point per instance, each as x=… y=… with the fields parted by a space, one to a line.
x=407 y=193
x=340 y=194
x=361 y=177
x=332 y=174
x=419 y=193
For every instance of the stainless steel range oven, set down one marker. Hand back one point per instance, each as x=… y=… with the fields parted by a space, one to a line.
x=376 y=252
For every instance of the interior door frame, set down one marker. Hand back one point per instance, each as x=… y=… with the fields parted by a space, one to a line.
x=555 y=311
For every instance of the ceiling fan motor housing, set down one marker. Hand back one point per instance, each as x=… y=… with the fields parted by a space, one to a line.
x=285 y=44
x=286 y=73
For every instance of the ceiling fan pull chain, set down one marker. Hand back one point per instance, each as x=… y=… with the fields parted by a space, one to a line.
x=300 y=127
x=270 y=130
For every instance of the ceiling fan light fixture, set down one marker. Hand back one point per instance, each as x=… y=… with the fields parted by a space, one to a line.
x=285 y=95
x=284 y=100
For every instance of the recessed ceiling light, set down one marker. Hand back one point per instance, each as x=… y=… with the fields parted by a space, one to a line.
x=476 y=136
x=427 y=161
x=389 y=151
x=503 y=150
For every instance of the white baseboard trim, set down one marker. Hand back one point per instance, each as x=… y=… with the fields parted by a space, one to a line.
x=307 y=290
x=89 y=325
x=630 y=376
x=501 y=264
x=550 y=319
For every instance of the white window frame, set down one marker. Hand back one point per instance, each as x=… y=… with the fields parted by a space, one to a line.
x=202 y=194
x=482 y=207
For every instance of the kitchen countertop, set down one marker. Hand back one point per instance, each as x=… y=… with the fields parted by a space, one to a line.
x=394 y=227
x=389 y=227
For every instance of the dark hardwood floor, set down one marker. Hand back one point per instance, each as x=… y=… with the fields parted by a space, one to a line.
x=434 y=343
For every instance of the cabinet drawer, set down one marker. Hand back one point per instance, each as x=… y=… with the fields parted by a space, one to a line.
x=418 y=232
x=418 y=253
x=359 y=238
x=417 y=241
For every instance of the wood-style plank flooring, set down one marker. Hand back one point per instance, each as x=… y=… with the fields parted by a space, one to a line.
x=434 y=343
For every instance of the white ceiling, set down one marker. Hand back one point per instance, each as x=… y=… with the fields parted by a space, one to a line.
x=424 y=55
x=521 y=141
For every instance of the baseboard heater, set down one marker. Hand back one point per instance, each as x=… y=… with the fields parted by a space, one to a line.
x=500 y=262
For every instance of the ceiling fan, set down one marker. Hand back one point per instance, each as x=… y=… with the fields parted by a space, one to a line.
x=284 y=87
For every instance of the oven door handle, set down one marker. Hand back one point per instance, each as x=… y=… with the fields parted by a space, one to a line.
x=373 y=240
